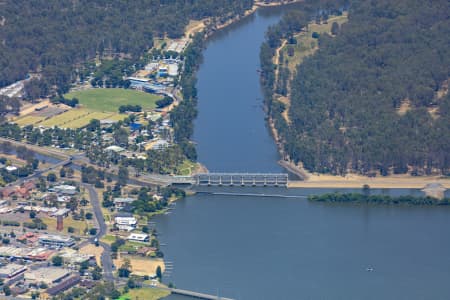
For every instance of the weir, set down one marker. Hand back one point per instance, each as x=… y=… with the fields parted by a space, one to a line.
x=242 y=179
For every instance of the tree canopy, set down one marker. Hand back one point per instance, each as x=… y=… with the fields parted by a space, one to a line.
x=374 y=97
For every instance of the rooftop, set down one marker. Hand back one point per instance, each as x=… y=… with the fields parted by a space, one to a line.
x=11 y=270
x=138 y=236
x=48 y=275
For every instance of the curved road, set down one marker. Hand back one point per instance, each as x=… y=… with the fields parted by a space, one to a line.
x=107 y=263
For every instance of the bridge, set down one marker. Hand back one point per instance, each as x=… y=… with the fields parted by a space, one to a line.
x=242 y=179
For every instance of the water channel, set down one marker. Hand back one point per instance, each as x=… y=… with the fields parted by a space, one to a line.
x=286 y=247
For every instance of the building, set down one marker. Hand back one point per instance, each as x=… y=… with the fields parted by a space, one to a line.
x=126 y=223
x=116 y=149
x=123 y=202
x=172 y=70
x=160 y=145
x=163 y=71
x=12 y=271
x=138 y=83
x=56 y=241
x=36 y=254
x=62 y=212
x=11 y=168
x=64 y=189
x=64 y=285
x=48 y=275
x=139 y=237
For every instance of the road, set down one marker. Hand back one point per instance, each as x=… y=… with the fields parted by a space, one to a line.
x=107 y=263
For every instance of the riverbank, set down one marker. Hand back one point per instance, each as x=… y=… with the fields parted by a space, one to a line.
x=358 y=181
x=258 y=4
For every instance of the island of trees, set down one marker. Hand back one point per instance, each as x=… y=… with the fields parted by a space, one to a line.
x=378 y=199
x=373 y=99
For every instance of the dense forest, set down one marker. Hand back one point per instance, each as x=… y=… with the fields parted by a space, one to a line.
x=52 y=37
x=373 y=99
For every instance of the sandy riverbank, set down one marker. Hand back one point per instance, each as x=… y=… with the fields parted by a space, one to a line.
x=357 y=181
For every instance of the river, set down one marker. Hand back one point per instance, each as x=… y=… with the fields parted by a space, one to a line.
x=286 y=247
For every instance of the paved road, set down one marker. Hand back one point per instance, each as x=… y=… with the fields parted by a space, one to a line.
x=107 y=263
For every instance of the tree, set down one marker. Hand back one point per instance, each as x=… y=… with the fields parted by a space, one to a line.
x=158 y=273
x=88 y=215
x=93 y=231
x=123 y=175
x=32 y=214
x=121 y=136
x=125 y=268
x=334 y=28
x=7 y=290
x=97 y=273
x=70 y=229
x=57 y=260
x=69 y=172
x=51 y=177
x=62 y=173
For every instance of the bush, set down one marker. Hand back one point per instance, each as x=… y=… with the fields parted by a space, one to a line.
x=10 y=223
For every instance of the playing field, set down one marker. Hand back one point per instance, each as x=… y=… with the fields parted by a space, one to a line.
x=79 y=117
x=109 y=100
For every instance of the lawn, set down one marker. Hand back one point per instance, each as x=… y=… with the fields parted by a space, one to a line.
x=28 y=120
x=80 y=117
x=108 y=239
x=306 y=45
x=109 y=100
x=66 y=117
x=145 y=293
x=186 y=168
x=79 y=226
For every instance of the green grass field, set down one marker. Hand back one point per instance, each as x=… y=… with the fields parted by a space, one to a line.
x=109 y=100
x=145 y=293
x=306 y=45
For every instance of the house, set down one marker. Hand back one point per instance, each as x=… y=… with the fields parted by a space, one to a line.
x=11 y=168
x=123 y=202
x=64 y=212
x=115 y=149
x=160 y=145
x=23 y=192
x=139 y=237
x=64 y=189
x=8 y=192
x=126 y=223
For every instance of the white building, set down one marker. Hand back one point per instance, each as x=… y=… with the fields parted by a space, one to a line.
x=64 y=189
x=126 y=223
x=11 y=168
x=122 y=202
x=56 y=241
x=139 y=237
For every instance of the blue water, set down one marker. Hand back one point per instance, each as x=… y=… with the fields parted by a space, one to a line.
x=287 y=248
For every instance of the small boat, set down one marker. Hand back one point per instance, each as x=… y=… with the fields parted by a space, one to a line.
x=369 y=269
